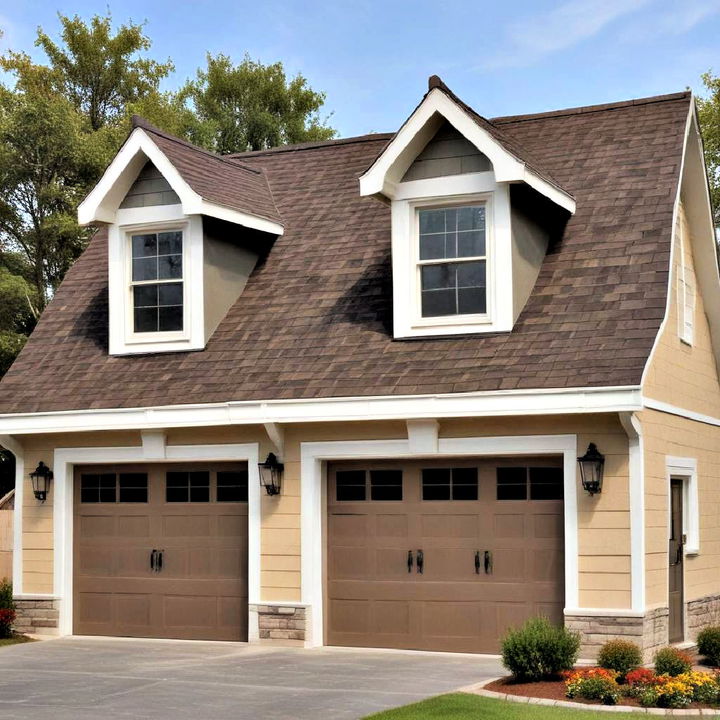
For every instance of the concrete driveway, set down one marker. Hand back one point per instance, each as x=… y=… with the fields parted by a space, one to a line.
x=99 y=678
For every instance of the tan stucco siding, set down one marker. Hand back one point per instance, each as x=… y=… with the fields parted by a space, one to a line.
x=604 y=521
x=681 y=374
x=668 y=435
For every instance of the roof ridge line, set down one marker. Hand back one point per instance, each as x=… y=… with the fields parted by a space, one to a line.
x=588 y=109
x=313 y=145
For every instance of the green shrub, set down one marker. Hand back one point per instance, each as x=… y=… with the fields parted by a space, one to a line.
x=6 y=595
x=539 y=650
x=671 y=661
x=621 y=656
x=708 y=642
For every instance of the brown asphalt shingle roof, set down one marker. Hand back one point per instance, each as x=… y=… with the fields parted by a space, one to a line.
x=221 y=180
x=315 y=318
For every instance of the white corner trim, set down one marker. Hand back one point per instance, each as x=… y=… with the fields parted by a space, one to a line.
x=387 y=170
x=685 y=469
x=381 y=407
x=13 y=445
x=636 y=493
x=314 y=455
x=62 y=493
x=103 y=201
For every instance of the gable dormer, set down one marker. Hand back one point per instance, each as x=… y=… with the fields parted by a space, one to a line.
x=185 y=230
x=472 y=215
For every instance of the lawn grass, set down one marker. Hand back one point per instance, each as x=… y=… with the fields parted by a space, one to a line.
x=15 y=640
x=463 y=706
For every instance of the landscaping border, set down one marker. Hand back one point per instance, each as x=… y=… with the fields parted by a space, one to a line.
x=479 y=689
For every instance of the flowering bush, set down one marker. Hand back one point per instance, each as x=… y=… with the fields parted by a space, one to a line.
x=7 y=618
x=620 y=655
x=638 y=677
x=593 y=684
x=672 y=692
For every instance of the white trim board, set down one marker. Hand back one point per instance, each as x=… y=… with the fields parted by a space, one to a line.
x=398 y=407
x=313 y=458
x=62 y=496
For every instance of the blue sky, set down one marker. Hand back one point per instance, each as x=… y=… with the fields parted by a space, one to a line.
x=373 y=58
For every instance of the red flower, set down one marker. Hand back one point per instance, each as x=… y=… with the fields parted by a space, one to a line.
x=640 y=676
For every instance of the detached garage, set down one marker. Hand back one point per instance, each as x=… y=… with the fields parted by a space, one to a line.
x=442 y=555
x=161 y=551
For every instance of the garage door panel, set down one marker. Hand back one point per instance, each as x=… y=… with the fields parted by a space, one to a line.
x=200 y=592
x=454 y=604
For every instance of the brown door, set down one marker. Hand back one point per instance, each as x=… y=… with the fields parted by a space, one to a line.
x=161 y=551
x=676 y=560
x=442 y=555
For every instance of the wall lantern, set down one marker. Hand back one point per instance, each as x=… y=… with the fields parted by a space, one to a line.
x=271 y=474
x=41 y=477
x=592 y=464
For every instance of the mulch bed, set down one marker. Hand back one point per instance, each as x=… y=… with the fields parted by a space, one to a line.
x=555 y=690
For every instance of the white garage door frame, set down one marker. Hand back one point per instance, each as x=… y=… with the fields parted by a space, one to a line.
x=65 y=460
x=314 y=458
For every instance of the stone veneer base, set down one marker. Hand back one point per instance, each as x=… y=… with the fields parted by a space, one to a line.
x=650 y=631
x=280 y=622
x=701 y=613
x=38 y=617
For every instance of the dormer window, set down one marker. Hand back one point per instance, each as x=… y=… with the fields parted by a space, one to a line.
x=157 y=281
x=452 y=260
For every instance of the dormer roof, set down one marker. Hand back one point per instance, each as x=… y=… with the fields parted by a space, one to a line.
x=206 y=183
x=511 y=161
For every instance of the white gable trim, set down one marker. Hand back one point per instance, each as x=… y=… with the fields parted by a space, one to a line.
x=102 y=203
x=387 y=170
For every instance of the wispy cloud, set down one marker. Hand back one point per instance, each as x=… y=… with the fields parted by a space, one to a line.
x=568 y=24
x=671 y=18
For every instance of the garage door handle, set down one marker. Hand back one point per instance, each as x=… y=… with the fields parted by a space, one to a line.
x=420 y=561
x=153 y=560
x=477 y=562
x=488 y=562
x=410 y=561
x=160 y=560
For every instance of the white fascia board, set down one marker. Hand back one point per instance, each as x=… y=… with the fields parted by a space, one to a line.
x=480 y=404
x=102 y=204
x=389 y=167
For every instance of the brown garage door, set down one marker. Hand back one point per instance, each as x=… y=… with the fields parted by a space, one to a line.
x=442 y=556
x=161 y=551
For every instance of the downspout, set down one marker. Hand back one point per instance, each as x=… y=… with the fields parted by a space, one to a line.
x=636 y=492
x=13 y=445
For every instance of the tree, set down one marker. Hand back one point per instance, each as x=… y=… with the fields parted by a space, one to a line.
x=252 y=106
x=60 y=125
x=709 y=112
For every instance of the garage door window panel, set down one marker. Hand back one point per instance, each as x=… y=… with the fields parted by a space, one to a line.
x=133 y=487
x=232 y=486
x=193 y=486
x=98 y=488
x=449 y=484
x=546 y=483
x=512 y=483
x=386 y=485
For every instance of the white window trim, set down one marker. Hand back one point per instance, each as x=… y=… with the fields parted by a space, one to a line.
x=685 y=469
x=443 y=321
x=467 y=190
x=685 y=293
x=64 y=462
x=123 y=339
x=313 y=486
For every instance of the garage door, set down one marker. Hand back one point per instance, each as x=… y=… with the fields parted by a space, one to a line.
x=442 y=556
x=161 y=551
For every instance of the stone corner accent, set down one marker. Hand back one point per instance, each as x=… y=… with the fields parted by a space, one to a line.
x=37 y=617
x=650 y=631
x=280 y=622
x=701 y=613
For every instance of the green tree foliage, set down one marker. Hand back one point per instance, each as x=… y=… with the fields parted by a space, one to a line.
x=709 y=112
x=251 y=106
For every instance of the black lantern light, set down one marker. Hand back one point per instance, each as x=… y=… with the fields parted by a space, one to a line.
x=592 y=464
x=271 y=474
x=41 y=477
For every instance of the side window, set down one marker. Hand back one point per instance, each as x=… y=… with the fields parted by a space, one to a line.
x=450 y=484
x=111 y=487
x=184 y=486
x=685 y=285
